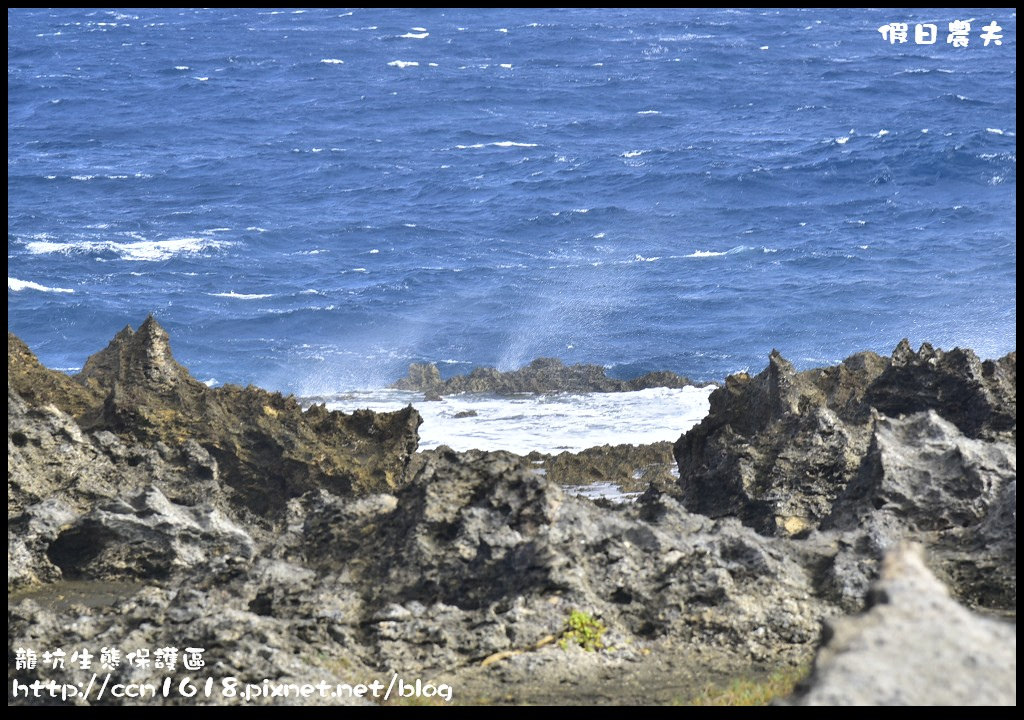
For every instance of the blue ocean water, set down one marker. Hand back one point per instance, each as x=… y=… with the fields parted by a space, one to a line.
x=310 y=200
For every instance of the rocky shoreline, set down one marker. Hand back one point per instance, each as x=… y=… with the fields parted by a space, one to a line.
x=146 y=510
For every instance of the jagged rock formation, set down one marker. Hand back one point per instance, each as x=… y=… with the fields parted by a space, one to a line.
x=147 y=510
x=921 y=445
x=777 y=449
x=477 y=555
x=913 y=646
x=265 y=447
x=543 y=375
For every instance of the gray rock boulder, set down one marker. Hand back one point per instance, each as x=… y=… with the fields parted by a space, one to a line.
x=913 y=646
x=146 y=537
x=923 y=479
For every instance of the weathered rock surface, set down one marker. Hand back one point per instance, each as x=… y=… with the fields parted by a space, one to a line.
x=921 y=445
x=543 y=375
x=147 y=510
x=39 y=385
x=266 y=448
x=146 y=537
x=913 y=646
x=777 y=449
x=922 y=478
x=477 y=555
x=631 y=467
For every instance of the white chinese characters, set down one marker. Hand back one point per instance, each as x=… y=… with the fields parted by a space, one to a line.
x=926 y=34
x=165 y=658
x=958 y=35
x=993 y=33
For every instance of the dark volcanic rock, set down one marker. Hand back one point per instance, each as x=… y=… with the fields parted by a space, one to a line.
x=914 y=646
x=790 y=453
x=146 y=510
x=479 y=554
x=777 y=449
x=543 y=375
x=267 y=449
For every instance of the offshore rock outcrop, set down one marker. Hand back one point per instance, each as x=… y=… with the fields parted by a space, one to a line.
x=543 y=375
x=913 y=646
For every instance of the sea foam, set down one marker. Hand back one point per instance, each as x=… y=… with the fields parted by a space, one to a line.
x=16 y=285
x=240 y=296
x=143 y=250
x=546 y=423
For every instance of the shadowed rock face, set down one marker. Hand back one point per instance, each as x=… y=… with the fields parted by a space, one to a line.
x=265 y=447
x=543 y=375
x=777 y=449
x=476 y=555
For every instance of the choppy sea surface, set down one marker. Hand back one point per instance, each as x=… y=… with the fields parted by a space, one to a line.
x=309 y=200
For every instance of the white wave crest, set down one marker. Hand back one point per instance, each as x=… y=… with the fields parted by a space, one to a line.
x=16 y=285
x=240 y=296
x=403 y=63
x=415 y=36
x=501 y=144
x=143 y=250
x=332 y=61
